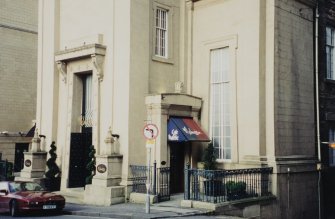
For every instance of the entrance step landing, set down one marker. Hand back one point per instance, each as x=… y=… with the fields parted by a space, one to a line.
x=73 y=195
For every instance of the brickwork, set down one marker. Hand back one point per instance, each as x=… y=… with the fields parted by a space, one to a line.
x=294 y=96
x=18 y=64
x=19 y=13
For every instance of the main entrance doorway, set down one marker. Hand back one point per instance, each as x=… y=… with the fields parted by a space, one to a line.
x=80 y=142
x=177 y=160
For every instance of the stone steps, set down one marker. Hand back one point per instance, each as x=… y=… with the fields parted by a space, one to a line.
x=74 y=195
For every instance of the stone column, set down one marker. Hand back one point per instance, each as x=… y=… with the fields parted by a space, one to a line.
x=97 y=73
x=159 y=116
x=106 y=182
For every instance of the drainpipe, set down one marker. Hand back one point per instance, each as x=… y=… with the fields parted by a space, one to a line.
x=316 y=50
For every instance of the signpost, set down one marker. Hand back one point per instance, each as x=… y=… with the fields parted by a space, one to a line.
x=150 y=132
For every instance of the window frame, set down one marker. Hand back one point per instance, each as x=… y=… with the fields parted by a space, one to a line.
x=168 y=58
x=222 y=84
x=229 y=41
x=330 y=58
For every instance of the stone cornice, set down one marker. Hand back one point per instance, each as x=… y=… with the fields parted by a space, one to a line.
x=80 y=52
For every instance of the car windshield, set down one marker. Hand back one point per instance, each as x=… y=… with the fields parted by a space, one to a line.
x=25 y=186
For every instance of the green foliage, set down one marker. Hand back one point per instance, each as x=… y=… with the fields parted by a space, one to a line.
x=53 y=169
x=90 y=165
x=9 y=171
x=209 y=158
x=236 y=190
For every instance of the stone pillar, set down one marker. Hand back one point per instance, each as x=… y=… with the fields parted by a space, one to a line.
x=34 y=162
x=106 y=182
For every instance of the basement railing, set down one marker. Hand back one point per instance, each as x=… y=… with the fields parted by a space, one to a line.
x=217 y=186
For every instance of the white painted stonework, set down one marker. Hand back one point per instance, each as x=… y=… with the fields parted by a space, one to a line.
x=114 y=41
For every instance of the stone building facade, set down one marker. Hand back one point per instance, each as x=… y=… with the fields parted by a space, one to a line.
x=107 y=69
x=18 y=75
x=327 y=102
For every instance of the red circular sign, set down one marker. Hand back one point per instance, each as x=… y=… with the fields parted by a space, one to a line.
x=150 y=131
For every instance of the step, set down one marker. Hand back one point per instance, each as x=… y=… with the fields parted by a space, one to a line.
x=73 y=195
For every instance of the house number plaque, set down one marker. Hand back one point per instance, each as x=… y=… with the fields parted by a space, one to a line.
x=27 y=163
x=101 y=168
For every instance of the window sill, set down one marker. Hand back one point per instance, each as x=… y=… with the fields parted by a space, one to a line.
x=223 y=161
x=163 y=60
x=330 y=81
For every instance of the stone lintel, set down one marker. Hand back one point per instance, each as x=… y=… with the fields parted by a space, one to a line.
x=174 y=99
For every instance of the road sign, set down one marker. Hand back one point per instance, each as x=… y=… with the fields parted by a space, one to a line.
x=150 y=143
x=150 y=131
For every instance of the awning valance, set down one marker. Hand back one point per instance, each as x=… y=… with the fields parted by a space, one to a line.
x=183 y=129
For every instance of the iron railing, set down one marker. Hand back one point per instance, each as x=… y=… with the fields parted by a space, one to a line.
x=159 y=179
x=218 y=186
x=6 y=170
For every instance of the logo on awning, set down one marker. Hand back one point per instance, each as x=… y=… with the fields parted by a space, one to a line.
x=185 y=129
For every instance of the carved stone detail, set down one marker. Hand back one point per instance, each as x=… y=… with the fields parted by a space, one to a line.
x=98 y=62
x=61 y=66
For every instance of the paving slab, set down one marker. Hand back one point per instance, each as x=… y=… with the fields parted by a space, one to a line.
x=131 y=210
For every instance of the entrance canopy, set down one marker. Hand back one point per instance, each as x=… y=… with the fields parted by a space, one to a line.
x=183 y=129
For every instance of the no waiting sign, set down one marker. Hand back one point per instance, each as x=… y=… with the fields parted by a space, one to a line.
x=150 y=131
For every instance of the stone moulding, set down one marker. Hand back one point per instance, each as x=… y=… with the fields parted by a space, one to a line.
x=94 y=51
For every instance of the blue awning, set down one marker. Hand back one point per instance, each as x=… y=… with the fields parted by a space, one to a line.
x=183 y=129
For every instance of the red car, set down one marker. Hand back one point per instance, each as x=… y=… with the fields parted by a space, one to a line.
x=17 y=197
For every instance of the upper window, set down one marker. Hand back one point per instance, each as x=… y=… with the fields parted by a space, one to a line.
x=220 y=112
x=161 y=32
x=330 y=53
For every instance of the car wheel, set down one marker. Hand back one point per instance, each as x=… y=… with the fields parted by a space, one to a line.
x=13 y=209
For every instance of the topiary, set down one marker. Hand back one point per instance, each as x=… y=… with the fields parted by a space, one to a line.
x=90 y=165
x=209 y=158
x=53 y=169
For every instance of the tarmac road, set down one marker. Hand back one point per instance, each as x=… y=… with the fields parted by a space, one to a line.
x=49 y=216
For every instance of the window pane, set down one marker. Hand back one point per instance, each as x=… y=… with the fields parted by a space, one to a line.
x=161 y=32
x=330 y=53
x=220 y=102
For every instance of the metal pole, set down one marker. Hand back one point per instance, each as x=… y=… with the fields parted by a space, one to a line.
x=147 y=201
x=154 y=179
x=187 y=182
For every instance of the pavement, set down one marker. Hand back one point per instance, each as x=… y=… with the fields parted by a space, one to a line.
x=168 y=209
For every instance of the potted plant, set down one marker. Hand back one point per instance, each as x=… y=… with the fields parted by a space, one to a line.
x=212 y=184
x=209 y=158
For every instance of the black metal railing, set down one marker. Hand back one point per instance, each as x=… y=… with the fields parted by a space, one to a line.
x=218 y=186
x=159 y=179
x=6 y=170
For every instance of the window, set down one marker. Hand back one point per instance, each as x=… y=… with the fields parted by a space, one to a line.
x=220 y=105
x=161 y=32
x=330 y=53
x=87 y=103
x=331 y=150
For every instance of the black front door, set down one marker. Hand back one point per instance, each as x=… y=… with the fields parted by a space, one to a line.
x=177 y=155
x=80 y=143
x=19 y=156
